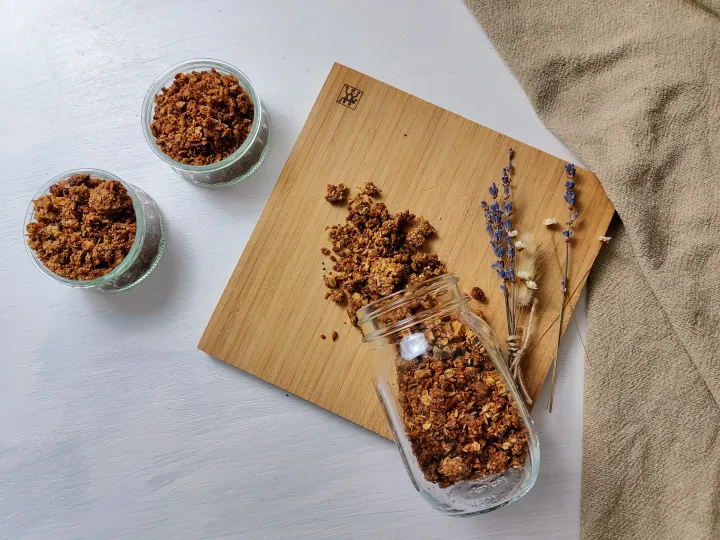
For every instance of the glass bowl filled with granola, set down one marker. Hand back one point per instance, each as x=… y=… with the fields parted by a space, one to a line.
x=205 y=119
x=89 y=229
x=458 y=420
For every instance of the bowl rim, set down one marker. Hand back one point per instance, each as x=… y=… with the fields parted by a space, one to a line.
x=200 y=64
x=124 y=264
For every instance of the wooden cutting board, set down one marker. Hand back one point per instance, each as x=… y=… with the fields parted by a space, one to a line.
x=426 y=159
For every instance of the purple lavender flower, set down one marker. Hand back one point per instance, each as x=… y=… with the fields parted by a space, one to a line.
x=570 y=198
x=511 y=153
x=493 y=190
x=510 y=166
x=567 y=234
x=570 y=170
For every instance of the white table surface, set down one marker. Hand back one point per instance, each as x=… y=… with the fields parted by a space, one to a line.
x=112 y=423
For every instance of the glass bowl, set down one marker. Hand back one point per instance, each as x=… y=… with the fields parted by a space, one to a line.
x=234 y=168
x=143 y=255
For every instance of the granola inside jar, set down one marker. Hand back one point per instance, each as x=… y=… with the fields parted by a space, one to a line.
x=463 y=431
x=89 y=229
x=205 y=119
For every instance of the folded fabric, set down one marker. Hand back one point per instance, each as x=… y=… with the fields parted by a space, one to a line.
x=633 y=87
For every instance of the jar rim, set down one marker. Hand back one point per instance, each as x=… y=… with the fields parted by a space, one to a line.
x=202 y=64
x=393 y=301
x=124 y=264
x=378 y=307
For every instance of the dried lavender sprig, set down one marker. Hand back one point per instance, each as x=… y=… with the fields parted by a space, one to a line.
x=509 y=242
x=569 y=197
x=494 y=225
x=498 y=218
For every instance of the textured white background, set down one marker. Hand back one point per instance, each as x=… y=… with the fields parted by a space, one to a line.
x=112 y=424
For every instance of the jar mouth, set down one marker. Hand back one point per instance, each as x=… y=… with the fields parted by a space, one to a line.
x=200 y=64
x=387 y=304
x=124 y=264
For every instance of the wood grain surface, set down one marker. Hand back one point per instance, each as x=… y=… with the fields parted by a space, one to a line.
x=438 y=164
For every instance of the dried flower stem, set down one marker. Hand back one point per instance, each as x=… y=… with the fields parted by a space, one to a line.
x=516 y=364
x=498 y=224
x=567 y=235
x=560 y=325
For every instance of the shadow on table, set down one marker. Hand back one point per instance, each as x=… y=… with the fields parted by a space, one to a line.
x=248 y=196
x=153 y=293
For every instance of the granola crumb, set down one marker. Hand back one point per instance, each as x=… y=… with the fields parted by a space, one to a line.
x=323 y=336
x=334 y=336
x=325 y=251
x=202 y=117
x=370 y=189
x=83 y=227
x=415 y=238
x=425 y=228
x=335 y=193
x=477 y=294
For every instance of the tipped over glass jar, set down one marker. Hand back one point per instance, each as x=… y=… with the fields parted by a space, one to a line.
x=459 y=422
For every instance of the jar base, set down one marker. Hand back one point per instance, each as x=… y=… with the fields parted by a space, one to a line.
x=158 y=244
x=234 y=181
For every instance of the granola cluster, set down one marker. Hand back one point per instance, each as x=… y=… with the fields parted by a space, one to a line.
x=83 y=228
x=460 y=420
x=202 y=117
x=375 y=253
x=370 y=189
x=335 y=193
x=476 y=293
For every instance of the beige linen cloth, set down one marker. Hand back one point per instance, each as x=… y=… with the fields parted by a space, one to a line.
x=633 y=87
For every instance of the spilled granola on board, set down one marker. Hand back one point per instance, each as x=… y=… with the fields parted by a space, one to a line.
x=377 y=252
x=459 y=417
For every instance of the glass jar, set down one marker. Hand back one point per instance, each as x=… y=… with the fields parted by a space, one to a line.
x=241 y=163
x=459 y=422
x=144 y=254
